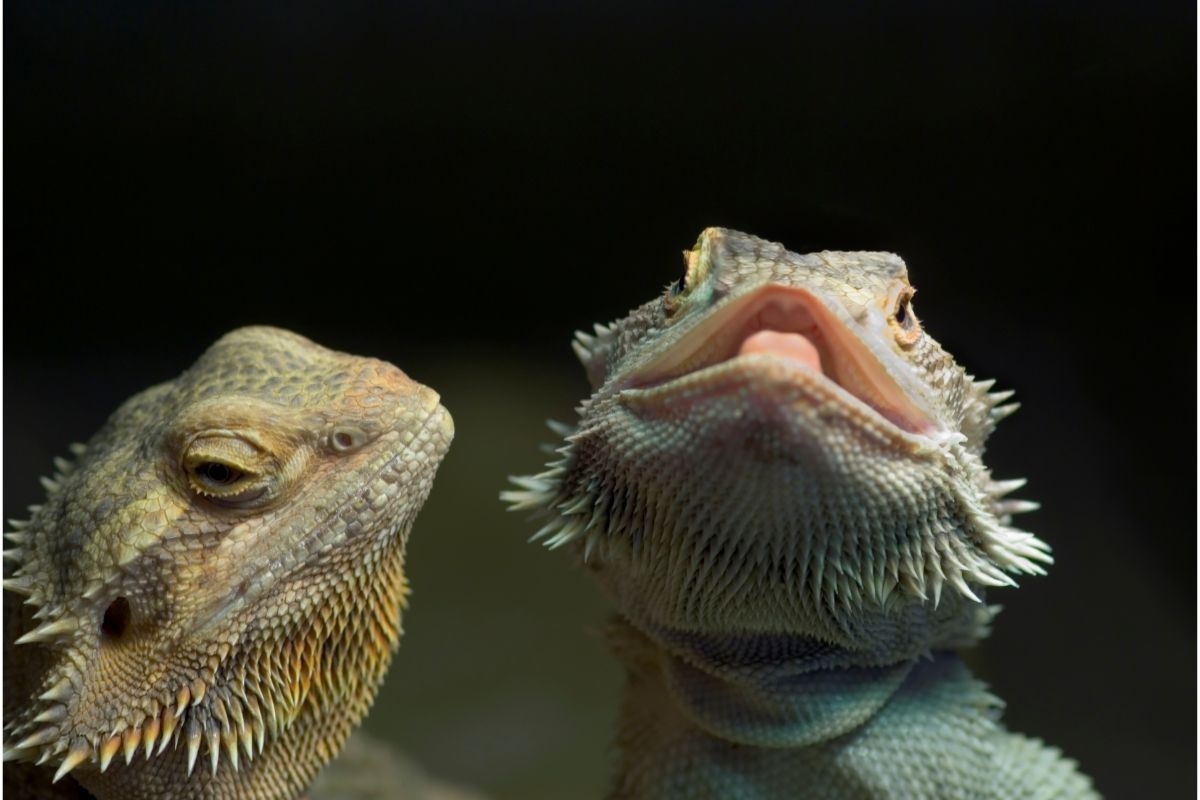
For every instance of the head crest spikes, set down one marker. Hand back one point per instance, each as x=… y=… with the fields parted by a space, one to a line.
x=592 y=351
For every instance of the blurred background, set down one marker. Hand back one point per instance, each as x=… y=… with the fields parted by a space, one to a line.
x=457 y=186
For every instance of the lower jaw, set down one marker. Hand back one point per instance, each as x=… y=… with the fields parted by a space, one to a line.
x=344 y=658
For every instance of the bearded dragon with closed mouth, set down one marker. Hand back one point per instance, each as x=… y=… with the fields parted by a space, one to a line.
x=208 y=599
x=778 y=479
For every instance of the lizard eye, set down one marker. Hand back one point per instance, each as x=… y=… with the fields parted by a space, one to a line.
x=678 y=286
x=904 y=321
x=217 y=475
x=225 y=467
x=218 y=480
x=673 y=295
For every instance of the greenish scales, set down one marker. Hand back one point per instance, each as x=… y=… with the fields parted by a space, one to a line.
x=778 y=480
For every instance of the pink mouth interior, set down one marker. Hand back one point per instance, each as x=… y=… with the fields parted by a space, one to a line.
x=791 y=325
x=795 y=347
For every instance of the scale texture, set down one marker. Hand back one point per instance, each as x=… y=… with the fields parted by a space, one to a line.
x=779 y=481
x=206 y=603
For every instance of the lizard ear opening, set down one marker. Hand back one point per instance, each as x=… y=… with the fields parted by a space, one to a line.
x=116 y=618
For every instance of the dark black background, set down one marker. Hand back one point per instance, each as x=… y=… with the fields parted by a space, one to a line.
x=447 y=184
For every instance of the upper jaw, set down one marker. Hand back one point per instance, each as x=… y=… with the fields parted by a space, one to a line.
x=815 y=350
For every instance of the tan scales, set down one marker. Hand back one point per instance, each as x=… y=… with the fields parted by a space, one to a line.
x=206 y=603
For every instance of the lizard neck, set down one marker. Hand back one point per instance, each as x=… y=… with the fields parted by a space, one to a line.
x=766 y=716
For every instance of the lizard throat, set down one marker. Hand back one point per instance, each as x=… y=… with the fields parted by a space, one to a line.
x=786 y=334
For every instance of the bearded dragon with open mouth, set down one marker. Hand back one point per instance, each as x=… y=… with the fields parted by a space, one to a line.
x=778 y=480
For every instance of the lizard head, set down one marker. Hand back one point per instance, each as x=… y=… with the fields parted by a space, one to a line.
x=776 y=445
x=220 y=571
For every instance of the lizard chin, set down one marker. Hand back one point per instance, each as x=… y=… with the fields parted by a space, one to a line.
x=786 y=345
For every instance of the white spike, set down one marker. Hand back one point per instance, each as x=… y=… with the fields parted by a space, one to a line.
x=569 y=531
x=1001 y=488
x=956 y=580
x=38 y=739
x=229 y=739
x=1001 y=412
x=55 y=713
x=21 y=584
x=150 y=734
x=523 y=501
x=589 y=545
x=546 y=530
x=168 y=730
x=1029 y=551
x=561 y=428
x=63 y=466
x=246 y=739
x=19 y=524
x=997 y=398
x=50 y=630
x=213 y=738
x=532 y=483
x=108 y=750
x=78 y=753
x=58 y=692
x=193 y=744
x=989 y=575
x=937 y=582
x=49 y=484
x=130 y=742
x=1018 y=506
x=579 y=505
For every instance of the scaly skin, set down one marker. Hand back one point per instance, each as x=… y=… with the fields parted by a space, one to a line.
x=212 y=591
x=778 y=480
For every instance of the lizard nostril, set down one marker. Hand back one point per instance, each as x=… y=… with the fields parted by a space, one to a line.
x=116 y=618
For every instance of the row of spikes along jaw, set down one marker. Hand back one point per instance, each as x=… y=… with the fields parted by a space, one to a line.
x=574 y=516
x=234 y=708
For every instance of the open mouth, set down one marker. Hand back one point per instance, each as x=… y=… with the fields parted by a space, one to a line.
x=793 y=329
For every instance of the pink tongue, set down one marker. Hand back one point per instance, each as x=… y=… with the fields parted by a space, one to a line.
x=793 y=346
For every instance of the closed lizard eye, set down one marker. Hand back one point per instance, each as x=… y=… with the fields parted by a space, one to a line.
x=215 y=475
x=221 y=481
x=225 y=468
